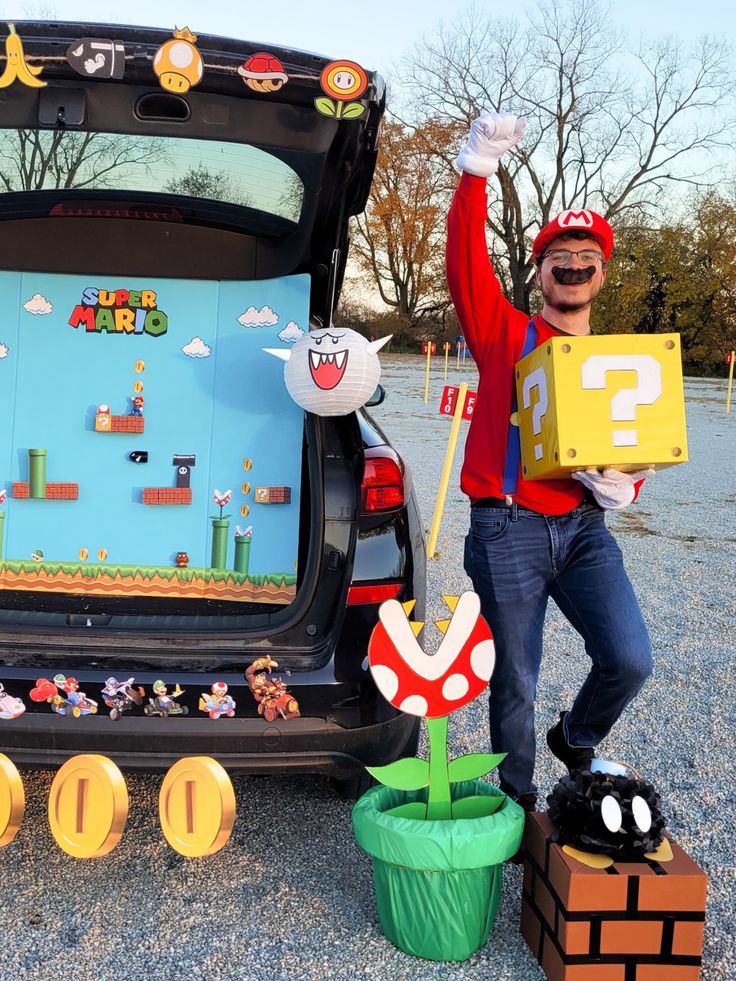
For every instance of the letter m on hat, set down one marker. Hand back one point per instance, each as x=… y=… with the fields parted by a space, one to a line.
x=575 y=219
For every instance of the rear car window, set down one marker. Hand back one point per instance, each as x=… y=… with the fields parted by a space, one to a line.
x=229 y=173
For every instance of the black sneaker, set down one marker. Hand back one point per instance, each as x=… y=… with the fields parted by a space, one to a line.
x=574 y=757
x=527 y=801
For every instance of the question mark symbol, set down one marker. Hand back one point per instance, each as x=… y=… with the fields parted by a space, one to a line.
x=536 y=379
x=623 y=404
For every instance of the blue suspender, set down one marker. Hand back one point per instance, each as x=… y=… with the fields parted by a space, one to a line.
x=513 y=444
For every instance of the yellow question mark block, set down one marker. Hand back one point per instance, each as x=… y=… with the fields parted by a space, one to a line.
x=609 y=401
x=196 y=806
x=88 y=806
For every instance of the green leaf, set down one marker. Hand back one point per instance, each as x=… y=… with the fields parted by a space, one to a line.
x=407 y=774
x=326 y=106
x=476 y=807
x=414 y=810
x=352 y=110
x=473 y=765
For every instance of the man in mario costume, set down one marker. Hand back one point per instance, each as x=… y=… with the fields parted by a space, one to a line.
x=530 y=540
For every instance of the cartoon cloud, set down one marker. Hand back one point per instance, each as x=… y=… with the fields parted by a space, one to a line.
x=331 y=371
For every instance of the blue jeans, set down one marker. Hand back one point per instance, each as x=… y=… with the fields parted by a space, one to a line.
x=516 y=560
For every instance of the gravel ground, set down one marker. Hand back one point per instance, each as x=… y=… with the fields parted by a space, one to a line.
x=291 y=894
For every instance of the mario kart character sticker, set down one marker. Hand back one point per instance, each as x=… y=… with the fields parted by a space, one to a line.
x=217 y=702
x=178 y=63
x=342 y=81
x=97 y=57
x=10 y=707
x=16 y=66
x=331 y=371
x=263 y=72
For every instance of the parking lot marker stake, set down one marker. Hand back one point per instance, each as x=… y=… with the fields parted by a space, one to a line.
x=446 y=469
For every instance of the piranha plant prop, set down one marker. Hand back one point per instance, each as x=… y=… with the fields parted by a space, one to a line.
x=331 y=371
x=437 y=832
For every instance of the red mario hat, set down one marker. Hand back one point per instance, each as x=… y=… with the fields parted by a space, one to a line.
x=576 y=221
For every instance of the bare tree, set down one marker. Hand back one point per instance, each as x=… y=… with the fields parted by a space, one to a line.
x=607 y=128
x=35 y=160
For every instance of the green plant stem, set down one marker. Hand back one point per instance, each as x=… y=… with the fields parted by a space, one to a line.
x=439 y=804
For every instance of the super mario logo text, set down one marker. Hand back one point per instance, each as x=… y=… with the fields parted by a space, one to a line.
x=119 y=312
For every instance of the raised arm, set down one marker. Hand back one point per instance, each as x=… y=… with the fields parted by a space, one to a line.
x=481 y=306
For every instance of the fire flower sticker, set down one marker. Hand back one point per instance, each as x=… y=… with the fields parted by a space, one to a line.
x=433 y=686
x=342 y=81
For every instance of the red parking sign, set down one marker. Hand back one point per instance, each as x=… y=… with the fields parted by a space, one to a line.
x=449 y=401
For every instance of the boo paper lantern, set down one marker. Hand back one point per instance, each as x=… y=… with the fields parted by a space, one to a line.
x=331 y=371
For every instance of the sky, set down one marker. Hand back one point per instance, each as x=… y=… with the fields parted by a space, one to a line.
x=375 y=33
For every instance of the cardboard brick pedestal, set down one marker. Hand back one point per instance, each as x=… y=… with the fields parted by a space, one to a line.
x=635 y=921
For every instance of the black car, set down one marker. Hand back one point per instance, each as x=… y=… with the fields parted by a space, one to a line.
x=131 y=156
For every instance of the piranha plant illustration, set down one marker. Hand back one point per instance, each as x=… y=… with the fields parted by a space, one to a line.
x=342 y=80
x=433 y=686
x=220 y=525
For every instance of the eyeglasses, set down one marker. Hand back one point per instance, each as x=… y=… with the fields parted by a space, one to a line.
x=563 y=256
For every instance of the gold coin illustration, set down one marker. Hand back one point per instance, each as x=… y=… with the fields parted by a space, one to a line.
x=138 y=387
x=12 y=800
x=140 y=367
x=245 y=488
x=102 y=554
x=247 y=464
x=83 y=554
x=196 y=806
x=88 y=806
x=244 y=511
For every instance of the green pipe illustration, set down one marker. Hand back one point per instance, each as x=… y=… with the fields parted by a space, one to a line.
x=219 y=543
x=242 y=553
x=37 y=473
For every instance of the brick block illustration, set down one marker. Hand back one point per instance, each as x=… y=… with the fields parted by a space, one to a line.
x=167 y=495
x=55 y=491
x=634 y=921
x=273 y=495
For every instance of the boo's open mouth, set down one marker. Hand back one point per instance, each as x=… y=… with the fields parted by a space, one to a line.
x=327 y=369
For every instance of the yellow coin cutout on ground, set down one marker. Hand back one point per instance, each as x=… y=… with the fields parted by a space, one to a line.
x=196 y=806
x=88 y=806
x=12 y=800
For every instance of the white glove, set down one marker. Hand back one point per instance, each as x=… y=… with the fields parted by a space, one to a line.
x=490 y=136
x=612 y=489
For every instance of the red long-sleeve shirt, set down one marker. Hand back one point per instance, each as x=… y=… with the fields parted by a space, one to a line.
x=495 y=332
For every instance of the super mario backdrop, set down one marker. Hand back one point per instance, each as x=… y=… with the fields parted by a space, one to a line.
x=145 y=447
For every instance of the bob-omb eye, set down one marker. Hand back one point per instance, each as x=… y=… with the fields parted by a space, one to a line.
x=611 y=814
x=642 y=814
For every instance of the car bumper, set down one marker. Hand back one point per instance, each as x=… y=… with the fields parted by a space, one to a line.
x=246 y=745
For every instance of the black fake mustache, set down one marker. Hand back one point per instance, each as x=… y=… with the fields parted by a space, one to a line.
x=568 y=276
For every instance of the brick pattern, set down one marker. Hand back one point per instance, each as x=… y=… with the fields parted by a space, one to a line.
x=167 y=495
x=273 y=495
x=635 y=921
x=126 y=424
x=55 y=491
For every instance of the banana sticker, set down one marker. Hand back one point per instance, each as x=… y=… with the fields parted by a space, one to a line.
x=16 y=66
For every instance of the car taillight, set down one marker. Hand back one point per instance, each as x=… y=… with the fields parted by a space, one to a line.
x=382 y=488
x=114 y=209
x=360 y=595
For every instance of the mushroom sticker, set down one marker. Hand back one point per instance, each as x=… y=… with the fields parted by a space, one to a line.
x=342 y=81
x=178 y=63
x=263 y=72
x=331 y=371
